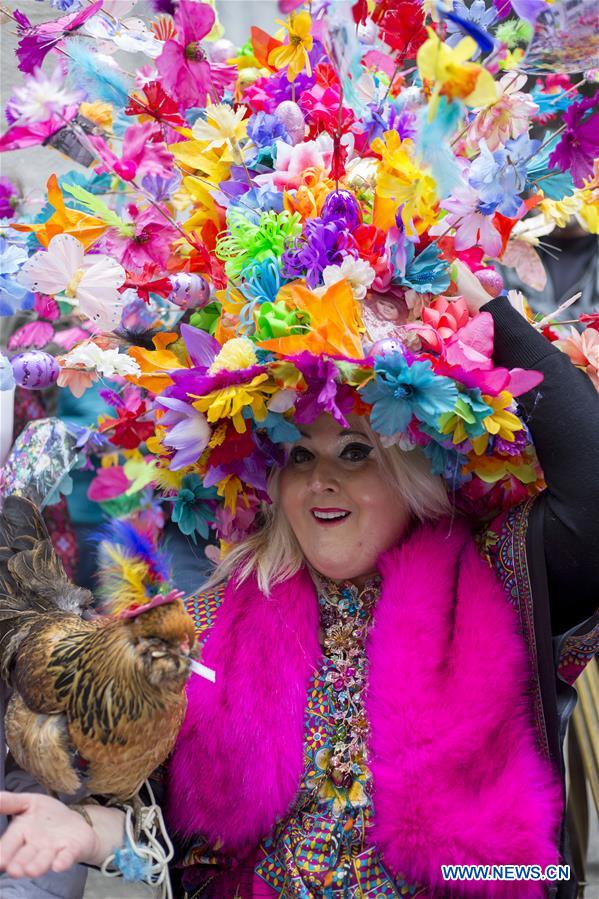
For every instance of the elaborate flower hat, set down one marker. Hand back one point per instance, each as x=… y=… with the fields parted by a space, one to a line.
x=295 y=221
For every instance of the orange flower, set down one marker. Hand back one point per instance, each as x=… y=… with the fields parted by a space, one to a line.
x=86 y=228
x=155 y=363
x=335 y=321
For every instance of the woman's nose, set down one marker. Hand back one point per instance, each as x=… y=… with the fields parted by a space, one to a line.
x=323 y=477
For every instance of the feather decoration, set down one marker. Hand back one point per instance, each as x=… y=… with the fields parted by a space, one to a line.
x=133 y=570
x=104 y=82
x=482 y=37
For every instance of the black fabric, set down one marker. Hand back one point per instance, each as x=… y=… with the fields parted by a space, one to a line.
x=563 y=417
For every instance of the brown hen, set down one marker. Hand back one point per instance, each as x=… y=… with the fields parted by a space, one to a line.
x=97 y=703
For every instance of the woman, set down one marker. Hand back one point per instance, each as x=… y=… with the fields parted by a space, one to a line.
x=385 y=703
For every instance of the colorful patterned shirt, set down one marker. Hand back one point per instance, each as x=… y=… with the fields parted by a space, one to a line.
x=322 y=849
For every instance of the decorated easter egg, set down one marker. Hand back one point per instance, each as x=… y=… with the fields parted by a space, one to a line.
x=491 y=281
x=221 y=51
x=291 y=116
x=189 y=291
x=34 y=370
x=387 y=346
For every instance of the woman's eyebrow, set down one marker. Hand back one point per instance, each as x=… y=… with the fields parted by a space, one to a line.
x=346 y=432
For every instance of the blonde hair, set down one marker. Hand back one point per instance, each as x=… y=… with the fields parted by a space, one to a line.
x=273 y=554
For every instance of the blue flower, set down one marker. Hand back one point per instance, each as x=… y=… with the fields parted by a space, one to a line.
x=192 y=509
x=279 y=429
x=500 y=177
x=12 y=257
x=264 y=129
x=13 y=297
x=401 y=391
x=425 y=273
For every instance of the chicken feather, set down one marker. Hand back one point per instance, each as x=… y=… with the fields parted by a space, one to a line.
x=97 y=702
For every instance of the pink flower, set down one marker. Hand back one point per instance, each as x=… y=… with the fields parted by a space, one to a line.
x=443 y=319
x=144 y=153
x=507 y=118
x=293 y=162
x=583 y=350
x=148 y=244
x=184 y=70
x=472 y=227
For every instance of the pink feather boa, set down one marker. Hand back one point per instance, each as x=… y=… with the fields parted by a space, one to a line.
x=457 y=775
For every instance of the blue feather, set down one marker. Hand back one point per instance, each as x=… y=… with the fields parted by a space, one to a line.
x=137 y=546
x=102 y=82
x=484 y=40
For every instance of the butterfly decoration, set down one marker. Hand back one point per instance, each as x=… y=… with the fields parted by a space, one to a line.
x=33 y=335
x=91 y=281
x=37 y=40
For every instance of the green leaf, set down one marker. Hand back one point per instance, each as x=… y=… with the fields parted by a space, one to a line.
x=98 y=207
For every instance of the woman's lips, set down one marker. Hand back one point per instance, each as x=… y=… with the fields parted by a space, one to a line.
x=330 y=517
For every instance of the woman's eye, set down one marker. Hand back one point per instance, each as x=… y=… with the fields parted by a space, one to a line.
x=300 y=454
x=356 y=452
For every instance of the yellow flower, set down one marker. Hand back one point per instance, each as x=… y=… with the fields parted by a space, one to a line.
x=222 y=125
x=231 y=489
x=229 y=402
x=401 y=182
x=491 y=469
x=501 y=423
x=294 y=55
x=560 y=211
x=97 y=112
x=213 y=165
x=204 y=207
x=236 y=354
x=448 y=69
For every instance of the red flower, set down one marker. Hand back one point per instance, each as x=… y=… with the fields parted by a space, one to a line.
x=129 y=431
x=369 y=242
x=234 y=447
x=401 y=24
x=155 y=103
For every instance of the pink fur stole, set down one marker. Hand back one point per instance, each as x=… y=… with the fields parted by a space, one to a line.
x=457 y=776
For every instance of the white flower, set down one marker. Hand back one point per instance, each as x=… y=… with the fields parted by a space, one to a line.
x=39 y=96
x=356 y=272
x=107 y=363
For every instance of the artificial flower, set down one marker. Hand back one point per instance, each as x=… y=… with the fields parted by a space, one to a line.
x=467 y=419
x=583 y=350
x=188 y=432
x=450 y=73
x=231 y=401
x=36 y=41
x=578 y=147
x=501 y=422
x=401 y=182
x=222 y=126
x=39 y=97
x=293 y=55
x=507 y=117
x=192 y=507
x=401 y=24
x=106 y=361
x=183 y=65
x=155 y=364
x=145 y=241
x=8 y=198
x=64 y=220
x=335 y=322
x=473 y=227
x=246 y=243
x=402 y=390
x=130 y=427
x=500 y=177
x=476 y=17
x=358 y=274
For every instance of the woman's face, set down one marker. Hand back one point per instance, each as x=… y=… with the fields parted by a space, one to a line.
x=341 y=508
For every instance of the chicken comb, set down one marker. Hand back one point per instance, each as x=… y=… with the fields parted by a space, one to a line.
x=134 y=572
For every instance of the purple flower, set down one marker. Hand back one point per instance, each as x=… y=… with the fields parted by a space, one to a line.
x=518 y=445
x=195 y=381
x=579 y=146
x=324 y=393
x=322 y=244
x=341 y=208
x=188 y=433
x=159 y=187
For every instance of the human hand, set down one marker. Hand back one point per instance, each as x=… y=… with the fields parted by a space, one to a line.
x=470 y=288
x=44 y=835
